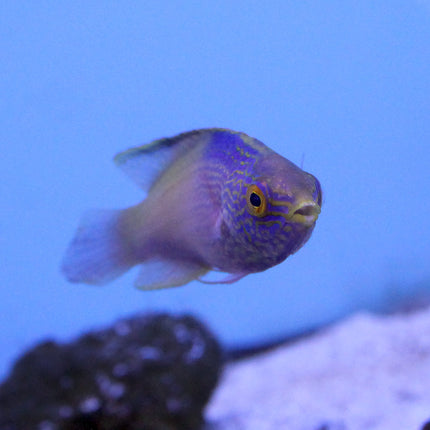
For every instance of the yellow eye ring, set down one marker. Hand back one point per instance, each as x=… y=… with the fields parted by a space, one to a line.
x=256 y=201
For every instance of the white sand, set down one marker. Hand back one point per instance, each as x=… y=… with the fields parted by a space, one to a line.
x=366 y=373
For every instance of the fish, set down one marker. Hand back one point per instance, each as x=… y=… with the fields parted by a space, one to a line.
x=217 y=200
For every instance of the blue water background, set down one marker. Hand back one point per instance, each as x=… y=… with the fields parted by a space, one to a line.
x=343 y=87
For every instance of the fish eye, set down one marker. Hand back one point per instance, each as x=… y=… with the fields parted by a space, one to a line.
x=256 y=201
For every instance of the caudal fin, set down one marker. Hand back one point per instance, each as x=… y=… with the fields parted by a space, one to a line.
x=97 y=253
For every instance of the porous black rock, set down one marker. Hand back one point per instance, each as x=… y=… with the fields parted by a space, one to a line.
x=153 y=372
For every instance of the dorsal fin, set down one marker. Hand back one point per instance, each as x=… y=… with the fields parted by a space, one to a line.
x=145 y=163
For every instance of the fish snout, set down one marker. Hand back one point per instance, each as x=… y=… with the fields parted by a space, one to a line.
x=306 y=213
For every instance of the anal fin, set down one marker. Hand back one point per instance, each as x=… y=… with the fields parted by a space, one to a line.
x=157 y=274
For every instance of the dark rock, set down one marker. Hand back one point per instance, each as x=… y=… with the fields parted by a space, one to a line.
x=426 y=426
x=151 y=372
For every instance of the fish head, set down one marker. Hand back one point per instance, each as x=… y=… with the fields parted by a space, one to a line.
x=271 y=212
x=288 y=191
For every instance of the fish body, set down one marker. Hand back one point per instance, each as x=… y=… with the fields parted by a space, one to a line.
x=216 y=200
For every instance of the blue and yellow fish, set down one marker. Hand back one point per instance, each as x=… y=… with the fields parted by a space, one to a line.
x=216 y=199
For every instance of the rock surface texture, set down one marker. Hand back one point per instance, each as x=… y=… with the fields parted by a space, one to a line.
x=145 y=373
x=366 y=373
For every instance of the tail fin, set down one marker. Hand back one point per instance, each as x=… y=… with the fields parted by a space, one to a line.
x=97 y=253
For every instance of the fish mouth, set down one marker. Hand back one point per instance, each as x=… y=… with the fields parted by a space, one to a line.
x=305 y=213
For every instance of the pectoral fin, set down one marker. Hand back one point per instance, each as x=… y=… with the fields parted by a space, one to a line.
x=157 y=274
